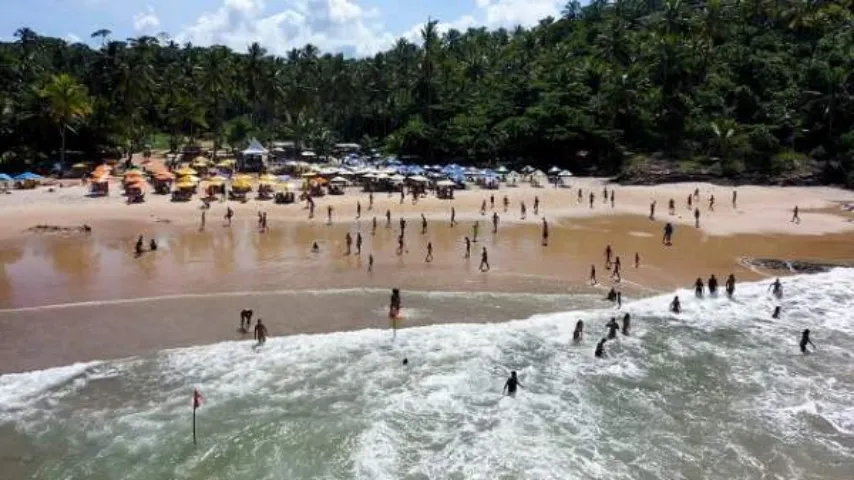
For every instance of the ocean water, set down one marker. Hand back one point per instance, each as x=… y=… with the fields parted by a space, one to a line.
x=719 y=391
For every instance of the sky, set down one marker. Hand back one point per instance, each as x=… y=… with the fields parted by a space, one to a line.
x=354 y=27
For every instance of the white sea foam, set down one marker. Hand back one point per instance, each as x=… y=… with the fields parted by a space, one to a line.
x=718 y=391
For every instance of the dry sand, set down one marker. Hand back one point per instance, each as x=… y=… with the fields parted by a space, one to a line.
x=50 y=269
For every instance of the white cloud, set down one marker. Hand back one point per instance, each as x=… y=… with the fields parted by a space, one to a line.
x=509 y=13
x=331 y=25
x=146 y=21
x=72 y=38
x=481 y=3
x=462 y=24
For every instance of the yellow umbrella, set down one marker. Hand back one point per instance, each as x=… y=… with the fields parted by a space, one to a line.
x=216 y=180
x=132 y=173
x=268 y=177
x=267 y=183
x=186 y=171
x=241 y=185
x=228 y=163
x=243 y=178
x=185 y=184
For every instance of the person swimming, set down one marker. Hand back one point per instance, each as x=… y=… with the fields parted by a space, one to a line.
x=627 y=319
x=776 y=313
x=805 y=340
x=600 y=349
x=612 y=295
x=578 y=333
x=613 y=328
x=511 y=385
x=675 y=306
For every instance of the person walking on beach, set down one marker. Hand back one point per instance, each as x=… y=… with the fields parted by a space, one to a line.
x=612 y=198
x=805 y=340
x=311 y=206
x=492 y=202
x=402 y=226
x=374 y=226
x=608 y=253
x=652 y=210
x=712 y=203
x=370 y=201
x=637 y=260
x=795 y=217
x=483 y=208
x=605 y=194
x=400 y=245
x=329 y=215
x=429 y=257
x=506 y=203
x=260 y=333
x=423 y=225
x=697 y=217
x=474 y=230
x=229 y=214
x=370 y=262
x=358 y=209
x=484 y=261
x=511 y=385
x=545 y=232
x=453 y=216
x=734 y=198
x=580 y=195
x=615 y=274
x=668 y=234
x=524 y=210
x=671 y=207
x=402 y=194
x=139 y=243
x=202 y=223
x=730 y=285
x=388 y=219
x=592 y=199
x=593 y=275
x=494 y=223
x=468 y=247
x=260 y=220
x=348 y=240
x=358 y=243
x=690 y=202
x=536 y=205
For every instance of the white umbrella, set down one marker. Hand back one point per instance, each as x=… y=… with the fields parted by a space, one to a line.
x=554 y=170
x=419 y=178
x=501 y=169
x=398 y=178
x=381 y=176
x=308 y=153
x=369 y=175
x=445 y=183
x=564 y=173
x=338 y=180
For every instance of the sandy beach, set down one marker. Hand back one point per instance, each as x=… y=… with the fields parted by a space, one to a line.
x=191 y=290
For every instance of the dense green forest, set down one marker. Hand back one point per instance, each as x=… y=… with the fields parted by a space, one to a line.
x=732 y=86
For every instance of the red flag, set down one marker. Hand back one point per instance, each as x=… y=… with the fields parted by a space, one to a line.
x=197 y=399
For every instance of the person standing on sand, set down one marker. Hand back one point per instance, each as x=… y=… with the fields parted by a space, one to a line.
x=348 y=240
x=429 y=257
x=637 y=260
x=260 y=220
x=453 y=216
x=402 y=226
x=697 y=217
x=652 y=210
x=374 y=226
x=545 y=232
x=605 y=194
x=139 y=243
x=484 y=261
x=329 y=215
x=615 y=274
x=388 y=219
x=370 y=263
x=402 y=194
x=592 y=199
x=202 y=224
x=608 y=253
x=229 y=214
x=523 y=209
x=400 y=246
x=536 y=205
x=612 y=198
x=668 y=234
x=506 y=203
x=483 y=208
x=358 y=209
x=260 y=333
x=311 y=206
x=370 y=201
x=671 y=207
x=468 y=247
x=358 y=243
x=795 y=217
x=494 y=223
x=492 y=202
x=580 y=195
x=734 y=198
x=423 y=225
x=690 y=202
x=593 y=275
x=712 y=202
x=474 y=230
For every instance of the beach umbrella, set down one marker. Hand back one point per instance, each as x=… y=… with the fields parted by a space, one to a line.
x=284 y=178
x=79 y=166
x=5 y=178
x=185 y=171
x=268 y=177
x=339 y=180
x=501 y=169
x=241 y=185
x=28 y=176
x=554 y=170
x=185 y=184
x=164 y=176
x=445 y=183
x=419 y=179
x=564 y=173
x=397 y=178
x=309 y=174
x=227 y=163
x=243 y=178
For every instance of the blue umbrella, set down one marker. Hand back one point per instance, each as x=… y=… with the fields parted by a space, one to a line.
x=5 y=178
x=27 y=176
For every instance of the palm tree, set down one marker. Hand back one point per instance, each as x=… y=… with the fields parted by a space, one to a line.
x=67 y=102
x=102 y=33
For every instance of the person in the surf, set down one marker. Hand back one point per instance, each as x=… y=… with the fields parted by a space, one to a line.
x=348 y=241
x=494 y=223
x=388 y=219
x=667 y=239
x=612 y=295
x=776 y=313
x=600 y=349
x=394 y=303
x=578 y=333
x=545 y=232
x=152 y=245
x=315 y=248
x=405 y=361
x=627 y=320
x=615 y=274
x=593 y=275
x=613 y=328
x=511 y=385
x=608 y=253
x=698 y=288
x=260 y=333
x=777 y=288
x=429 y=257
x=730 y=285
x=805 y=340
x=619 y=300
x=675 y=305
x=358 y=243
x=713 y=286
x=423 y=225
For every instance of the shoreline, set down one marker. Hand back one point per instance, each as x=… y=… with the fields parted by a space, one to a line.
x=78 y=297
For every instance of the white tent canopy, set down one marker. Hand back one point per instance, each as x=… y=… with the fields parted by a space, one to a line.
x=564 y=173
x=445 y=183
x=339 y=180
x=419 y=179
x=255 y=148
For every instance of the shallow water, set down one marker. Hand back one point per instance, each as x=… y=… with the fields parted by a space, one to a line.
x=720 y=391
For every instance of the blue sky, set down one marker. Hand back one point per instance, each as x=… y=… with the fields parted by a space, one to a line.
x=356 y=27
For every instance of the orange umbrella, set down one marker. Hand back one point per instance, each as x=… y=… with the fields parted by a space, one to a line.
x=164 y=175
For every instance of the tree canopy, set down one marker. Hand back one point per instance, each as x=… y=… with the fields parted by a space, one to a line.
x=738 y=85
